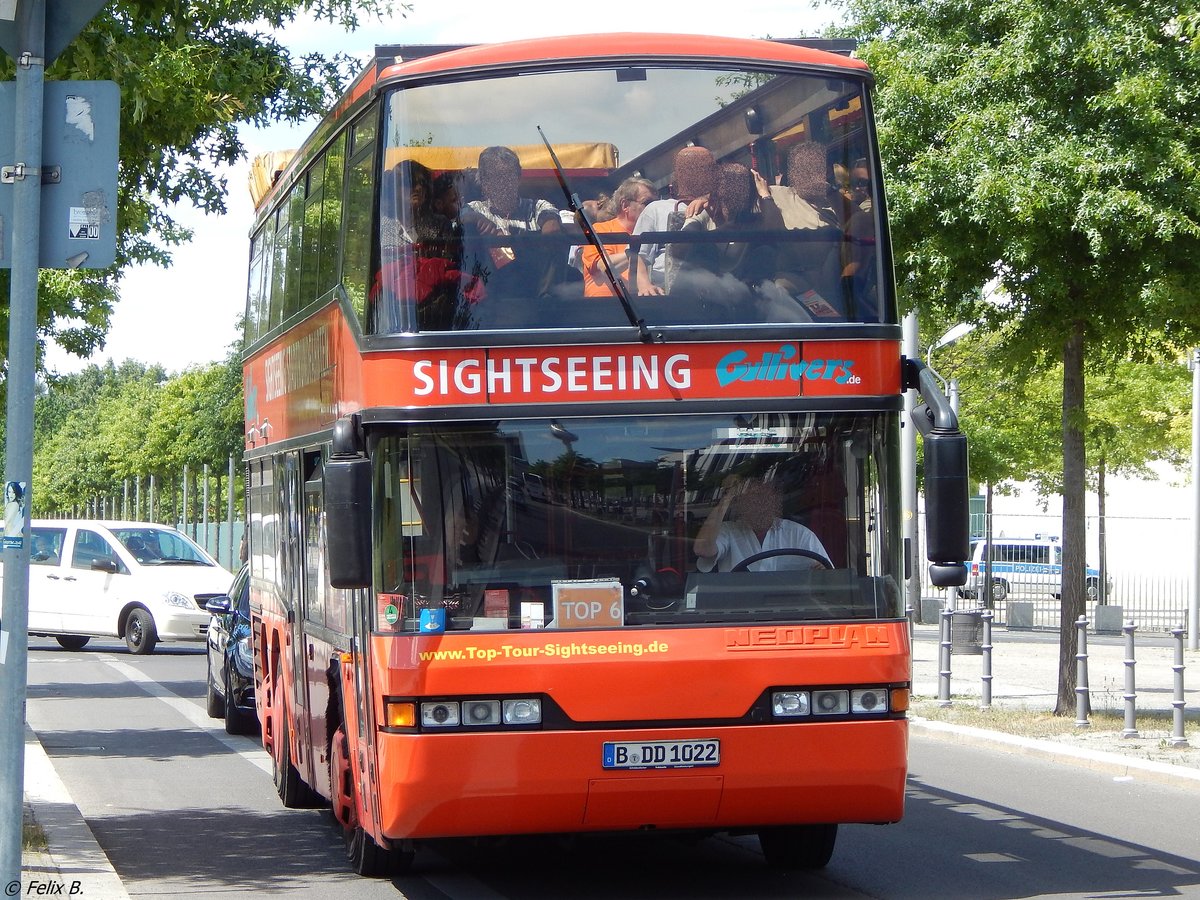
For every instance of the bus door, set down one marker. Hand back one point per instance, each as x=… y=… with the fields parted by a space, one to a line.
x=292 y=579
x=317 y=638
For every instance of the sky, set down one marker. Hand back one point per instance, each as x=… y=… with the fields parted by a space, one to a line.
x=186 y=315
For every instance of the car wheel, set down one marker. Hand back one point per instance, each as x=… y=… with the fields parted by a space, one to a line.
x=1092 y=586
x=236 y=721
x=140 y=633
x=72 y=641
x=999 y=591
x=214 y=702
x=798 y=846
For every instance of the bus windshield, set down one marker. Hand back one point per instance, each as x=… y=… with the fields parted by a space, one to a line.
x=602 y=522
x=717 y=196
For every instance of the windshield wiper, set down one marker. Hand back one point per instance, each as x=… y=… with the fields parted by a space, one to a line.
x=618 y=284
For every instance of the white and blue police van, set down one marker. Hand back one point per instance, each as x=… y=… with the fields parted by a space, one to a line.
x=1022 y=567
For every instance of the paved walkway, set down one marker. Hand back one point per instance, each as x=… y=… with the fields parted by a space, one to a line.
x=1025 y=674
x=1024 y=669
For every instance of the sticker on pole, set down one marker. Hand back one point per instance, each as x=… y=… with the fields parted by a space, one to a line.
x=84 y=225
x=14 y=514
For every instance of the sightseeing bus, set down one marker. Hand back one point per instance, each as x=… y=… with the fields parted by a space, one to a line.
x=529 y=560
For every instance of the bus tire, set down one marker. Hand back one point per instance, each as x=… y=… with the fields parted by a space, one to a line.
x=293 y=792
x=999 y=590
x=1092 y=588
x=798 y=846
x=367 y=858
x=140 y=633
x=72 y=641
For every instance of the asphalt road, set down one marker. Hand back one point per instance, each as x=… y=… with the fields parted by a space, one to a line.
x=181 y=808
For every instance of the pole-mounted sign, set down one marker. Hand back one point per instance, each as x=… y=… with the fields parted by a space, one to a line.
x=77 y=119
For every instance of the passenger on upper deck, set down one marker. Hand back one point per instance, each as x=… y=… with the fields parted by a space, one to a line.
x=622 y=212
x=723 y=273
x=859 y=281
x=694 y=176
x=420 y=256
x=517 y=267
x=809 y=270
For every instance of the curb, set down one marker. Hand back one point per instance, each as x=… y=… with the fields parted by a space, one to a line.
x=1098 y=760
x=72 y=858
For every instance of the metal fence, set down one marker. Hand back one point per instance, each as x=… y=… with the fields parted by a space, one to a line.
x=206 y=505
x=1146 y=574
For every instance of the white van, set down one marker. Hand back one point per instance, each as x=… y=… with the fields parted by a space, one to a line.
x=135 y=580
x=1029 y=567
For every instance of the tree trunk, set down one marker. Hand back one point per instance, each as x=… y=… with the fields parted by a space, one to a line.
x=1074 y=522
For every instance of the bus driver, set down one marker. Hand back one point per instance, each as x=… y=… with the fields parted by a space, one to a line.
x=757 y=525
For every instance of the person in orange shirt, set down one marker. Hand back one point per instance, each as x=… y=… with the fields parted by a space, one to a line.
x=619 y=216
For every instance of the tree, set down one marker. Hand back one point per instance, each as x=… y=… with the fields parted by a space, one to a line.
x=1050 y=145
x=190 y=73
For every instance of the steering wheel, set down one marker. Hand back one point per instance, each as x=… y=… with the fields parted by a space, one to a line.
x=781 y=551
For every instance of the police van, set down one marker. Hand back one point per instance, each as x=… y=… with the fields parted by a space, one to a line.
x=1022 y=567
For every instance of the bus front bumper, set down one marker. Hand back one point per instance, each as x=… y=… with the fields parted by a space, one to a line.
x=449 y=785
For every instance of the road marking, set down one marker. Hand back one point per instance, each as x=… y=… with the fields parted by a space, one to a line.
x=255 y=755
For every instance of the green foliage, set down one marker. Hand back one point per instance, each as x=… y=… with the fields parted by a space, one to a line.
x=190 y=73
x=107 y=425
x=1050 y=144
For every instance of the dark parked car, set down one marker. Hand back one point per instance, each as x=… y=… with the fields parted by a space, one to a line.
x=231 y=658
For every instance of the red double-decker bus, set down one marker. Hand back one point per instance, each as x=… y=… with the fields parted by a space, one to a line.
x=573 y=398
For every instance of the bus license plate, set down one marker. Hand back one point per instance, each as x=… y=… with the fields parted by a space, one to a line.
x=661 y=754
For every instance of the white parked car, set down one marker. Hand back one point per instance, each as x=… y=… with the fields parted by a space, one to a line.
x=136 y=580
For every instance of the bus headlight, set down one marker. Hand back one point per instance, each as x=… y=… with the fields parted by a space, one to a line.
x=786 y=704
x=522 y=712
x=830 y=703
x=481 y=712
x=439 y=715
x=872 y=700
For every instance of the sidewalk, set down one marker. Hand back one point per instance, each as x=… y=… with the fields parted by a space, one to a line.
x=1025 y=675
x=71 y=862
x=1024 y=669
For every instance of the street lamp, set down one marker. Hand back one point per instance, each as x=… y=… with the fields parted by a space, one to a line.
x=1194 y=605
x=956 y=332
x=960 y=330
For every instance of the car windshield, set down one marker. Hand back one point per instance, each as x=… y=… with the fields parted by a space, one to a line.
x=161 y=547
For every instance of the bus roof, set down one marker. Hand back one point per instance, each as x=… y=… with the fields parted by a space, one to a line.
x=395 y=62
x=627 y=44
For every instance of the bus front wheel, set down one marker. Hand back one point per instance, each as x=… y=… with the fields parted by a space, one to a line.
x=369 y=859
x=798 y=846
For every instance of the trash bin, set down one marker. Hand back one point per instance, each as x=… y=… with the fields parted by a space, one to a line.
x=966 y=632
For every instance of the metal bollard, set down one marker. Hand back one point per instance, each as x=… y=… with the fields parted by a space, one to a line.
x=986 y=699
x=944 y=659
x=1083 y=702
x=1177 y=702
x=1130 y=729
